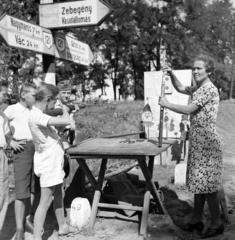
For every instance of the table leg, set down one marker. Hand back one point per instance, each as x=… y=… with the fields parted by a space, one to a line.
x=83 y=165
x=145 y=213
x=97 y=194
x=150 y=184
x=146 y=204
x=150 y=165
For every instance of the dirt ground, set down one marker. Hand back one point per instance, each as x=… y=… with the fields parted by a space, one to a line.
x=177 y=200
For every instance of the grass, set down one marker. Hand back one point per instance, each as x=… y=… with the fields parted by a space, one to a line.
x=124 y=117
x=103 y=120
x=108 y=119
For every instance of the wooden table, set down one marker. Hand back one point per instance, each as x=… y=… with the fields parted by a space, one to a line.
x=116 y=148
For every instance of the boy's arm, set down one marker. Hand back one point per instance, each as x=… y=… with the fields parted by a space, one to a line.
x=58 y=122
x=9 y=112
x=15 y=145
x=54 y=112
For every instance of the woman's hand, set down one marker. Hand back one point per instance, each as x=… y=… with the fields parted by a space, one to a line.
x=167 y=69
x=163 y=101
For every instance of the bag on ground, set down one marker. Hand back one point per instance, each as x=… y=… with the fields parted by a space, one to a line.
x=80 y=212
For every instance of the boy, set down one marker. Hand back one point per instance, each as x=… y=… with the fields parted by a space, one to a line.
x=4 y=130
x=23 y=147
x=48 y=158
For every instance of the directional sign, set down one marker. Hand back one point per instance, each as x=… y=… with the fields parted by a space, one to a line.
x=69 y=48
x=21 y=34
x=73 y=14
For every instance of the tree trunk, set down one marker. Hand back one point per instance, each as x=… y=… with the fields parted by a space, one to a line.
x=114 y=87
x=232 y=78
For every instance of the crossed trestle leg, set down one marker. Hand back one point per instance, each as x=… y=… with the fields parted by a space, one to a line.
x=97 y=194
x=147 y=171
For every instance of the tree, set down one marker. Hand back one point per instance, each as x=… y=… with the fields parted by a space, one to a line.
x=13 y=59
x=132 y=36
x=209 y=29
x=98 y=74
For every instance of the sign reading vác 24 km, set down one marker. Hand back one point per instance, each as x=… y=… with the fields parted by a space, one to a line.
x=21 y=34
x=73 y=14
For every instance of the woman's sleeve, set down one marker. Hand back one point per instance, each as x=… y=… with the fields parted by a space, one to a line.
x=203 y=95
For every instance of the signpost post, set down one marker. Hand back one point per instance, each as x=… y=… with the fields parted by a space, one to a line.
x=21 y=34
x=48 y=62
x=73 y=14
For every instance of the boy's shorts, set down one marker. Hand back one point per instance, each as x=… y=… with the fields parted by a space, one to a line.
x=23 y=170
x=51 y=179
x=50 y=171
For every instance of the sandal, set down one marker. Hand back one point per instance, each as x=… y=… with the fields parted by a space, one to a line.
x=69 y=232
x=193 y=226
x=211 y=232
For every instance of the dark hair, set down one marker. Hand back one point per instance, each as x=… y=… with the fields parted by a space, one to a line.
x=46 y=89
x=3 y=84
x=208 y=61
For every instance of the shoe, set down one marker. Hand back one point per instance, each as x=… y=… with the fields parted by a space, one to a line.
x=68 y=231
x=28 y=225
x=193 y=226
x=211 y=232
x=19 y=235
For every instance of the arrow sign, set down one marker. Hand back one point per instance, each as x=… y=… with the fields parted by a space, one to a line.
x=21 y=34
x=73 y=14
x=71 y=49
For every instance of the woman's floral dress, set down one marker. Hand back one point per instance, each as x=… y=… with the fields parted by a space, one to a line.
x=204 y=167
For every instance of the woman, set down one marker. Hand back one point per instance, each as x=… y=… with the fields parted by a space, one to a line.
x=204 y=167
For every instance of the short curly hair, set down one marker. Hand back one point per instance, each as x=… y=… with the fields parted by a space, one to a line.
x=208 y=61
x=46 y=89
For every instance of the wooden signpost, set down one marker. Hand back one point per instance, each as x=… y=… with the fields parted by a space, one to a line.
x=73 y=14
x=21 y=34
x=69 y=48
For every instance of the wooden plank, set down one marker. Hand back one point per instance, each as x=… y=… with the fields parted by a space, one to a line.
x=108 y=214
x=146 y=204
x=124 y=135
x=101 y=174
x=97 y=194
x=151 y=185
x=117 y=147
x=87 y=171
x=73 y=14
x=94 y=209
x=145 y=214
x=119 y=206
x=133 y=198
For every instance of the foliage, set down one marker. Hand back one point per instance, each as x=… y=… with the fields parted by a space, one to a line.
x=12 y=59
x=108 y=119
x=131 y=38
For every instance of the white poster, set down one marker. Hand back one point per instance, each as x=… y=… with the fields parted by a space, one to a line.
x=152 y=92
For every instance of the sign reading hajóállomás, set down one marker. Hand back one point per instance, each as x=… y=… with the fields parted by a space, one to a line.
x=71 y=49
x=20 y=34
x=73 y=14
